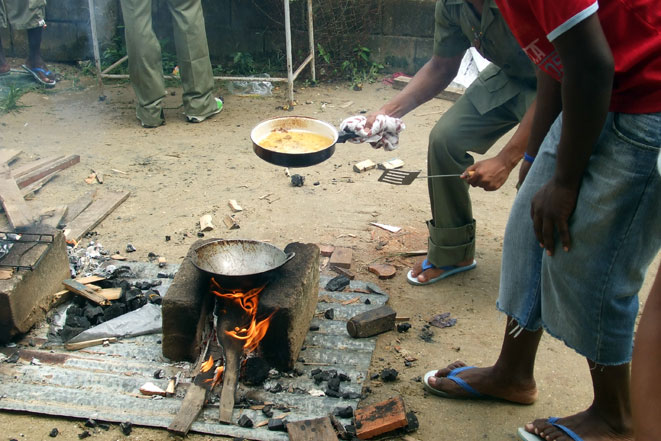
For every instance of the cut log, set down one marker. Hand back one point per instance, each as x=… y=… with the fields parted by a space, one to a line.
x=372 y=322
x=85 y=291
x=380 y=418
x=94 y=214
x=46 y=170
x=319 y=429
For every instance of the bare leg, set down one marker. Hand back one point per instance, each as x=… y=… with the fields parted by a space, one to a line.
x=645 y=384
x=34 y=56
x=4 y=66
x=609 y=416
x=512 y=376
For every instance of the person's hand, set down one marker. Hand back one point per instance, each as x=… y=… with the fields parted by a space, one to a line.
x=551 y=208
x=370 y=120
x=489 y=174
x=523 y=172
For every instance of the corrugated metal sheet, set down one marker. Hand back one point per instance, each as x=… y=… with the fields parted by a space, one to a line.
x=103 y=382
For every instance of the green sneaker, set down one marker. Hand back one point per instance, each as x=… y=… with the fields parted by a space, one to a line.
x=199 y=119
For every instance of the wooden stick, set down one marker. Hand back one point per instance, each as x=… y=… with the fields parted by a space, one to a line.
x=85 y=291
x=88 y=343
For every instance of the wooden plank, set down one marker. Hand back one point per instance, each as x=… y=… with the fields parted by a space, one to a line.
x=89 y=343
x=16 y=209
x=189 y=410
x=8 y=155
x=319 y=429
x=85 y=291
x=380 y=418
x=372 y=322
x=110 y=293
x=48 y=169
x=53 y=216
x=28 y=191
x=450 y=93
x=94 y=214
x=24 y=169
x=78 y=206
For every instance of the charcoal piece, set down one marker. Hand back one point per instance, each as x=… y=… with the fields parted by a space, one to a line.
x=344 y=377
x=315 y=372
x=403 y=327
x=351 y=395
x=268 y=411
x=75 y=310
x=126 y=428
x=329 y=314
x=277 y=424
x=130 y=248
x=277 y=388
x=76 y=321
x=114 y=310
x=297 y=180
x=351 y=429
x=332 y=393
x=388 y=374
x=143 y=285
x=159 y=373
x=154 y=297
x=103 y=426
x=343 y=412
x=137 y=303
x=298 y=372
x=426 y=334
x=314 y=328
x=374 y=376
x=256 y=371
x=13 y=358
x=68 y=332
x=84 y=435
x=199 y=234
x=168 y=238
x=132 y=293
x=152 y=256
x=408 y=363
x=412 y=422
x=93 y=312
x=53 y=433
x=334 y=384
x=245 y=421
x=90 y=423
x=162 y=275
x=337 y=283
x=368 y=302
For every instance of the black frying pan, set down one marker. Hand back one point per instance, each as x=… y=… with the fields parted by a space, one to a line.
x=300 y=123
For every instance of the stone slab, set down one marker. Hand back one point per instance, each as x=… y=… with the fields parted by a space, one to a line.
x=25 y=298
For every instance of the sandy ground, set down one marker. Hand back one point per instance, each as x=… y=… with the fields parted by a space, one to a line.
x=181 y=171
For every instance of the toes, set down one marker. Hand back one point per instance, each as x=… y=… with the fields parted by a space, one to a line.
x=452 y=366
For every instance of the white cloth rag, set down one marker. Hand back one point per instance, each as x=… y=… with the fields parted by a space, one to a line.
x=383 y=133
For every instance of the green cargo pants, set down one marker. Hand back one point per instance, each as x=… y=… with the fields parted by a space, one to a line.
x=145 y=65
x=460 y=130
x=22 y=14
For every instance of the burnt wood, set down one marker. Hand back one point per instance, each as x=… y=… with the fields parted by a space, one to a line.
x=372 y=322
x=189 y=410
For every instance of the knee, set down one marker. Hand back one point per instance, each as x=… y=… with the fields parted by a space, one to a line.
x=446 y=145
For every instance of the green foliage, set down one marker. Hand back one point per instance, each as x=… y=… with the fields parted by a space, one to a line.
x=243 y=63
x=114 y=52
x=10 y=103
x=325 y=56
x=360 y=69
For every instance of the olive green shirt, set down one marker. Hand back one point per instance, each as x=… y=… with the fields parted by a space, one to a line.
x=511 y=72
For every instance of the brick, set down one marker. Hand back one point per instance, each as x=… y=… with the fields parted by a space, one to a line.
x=294 y=296
x=25 y=298
x=326 y=250
x=341 y=257
x=380 y=418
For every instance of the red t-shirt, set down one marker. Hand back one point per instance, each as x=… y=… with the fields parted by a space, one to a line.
x=633 y=31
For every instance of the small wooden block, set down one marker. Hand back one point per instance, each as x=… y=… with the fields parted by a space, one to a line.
x=118 y=257
x=380 y=418
x=234 y=206
x=230 y=222
x=372 y=322
x=319 y=429
x=326 y=250
x=85 y=291
x=89 y=343
x=364 y=166
x=392 y=164
x=206 y=223
x=384 y=271
x=341 y=257
x=110 y=293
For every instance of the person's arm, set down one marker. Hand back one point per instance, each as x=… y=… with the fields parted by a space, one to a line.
x=428 y=82
x=586 y=90
x=490 y=174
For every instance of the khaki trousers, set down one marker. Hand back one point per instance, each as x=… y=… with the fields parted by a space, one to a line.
x=145 y=65
x=462 y=129
x=22 y=14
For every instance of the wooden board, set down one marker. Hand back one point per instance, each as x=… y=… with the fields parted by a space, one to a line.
x=78 y=206
x=85 y=291
x=8 y=155
x=23 y=169
x=319 y=429
x=189 y=410
x=53 y=216
x=94 y=214
x=450 y=93
x=16 y=209
x=48 y=169
x=380 y=418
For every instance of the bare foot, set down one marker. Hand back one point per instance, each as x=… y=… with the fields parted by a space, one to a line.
x=44 y=74
x=589 y=425
x=433 y=272
x=487 y=381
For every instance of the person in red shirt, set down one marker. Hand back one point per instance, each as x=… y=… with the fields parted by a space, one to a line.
x=592 y=191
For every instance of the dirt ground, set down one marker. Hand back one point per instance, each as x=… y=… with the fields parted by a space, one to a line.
x=181 y=171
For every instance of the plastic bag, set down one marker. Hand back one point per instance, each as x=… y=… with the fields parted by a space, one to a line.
x=251 y=88
x=145 y=320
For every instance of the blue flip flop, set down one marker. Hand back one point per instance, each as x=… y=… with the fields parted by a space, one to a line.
x=447 y=272
x=460 y=382
x=35 y=71
x=527 y=436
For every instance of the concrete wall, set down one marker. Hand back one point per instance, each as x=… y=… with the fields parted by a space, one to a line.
x=401 y=34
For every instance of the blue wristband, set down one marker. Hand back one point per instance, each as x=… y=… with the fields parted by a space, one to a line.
x=528 y=158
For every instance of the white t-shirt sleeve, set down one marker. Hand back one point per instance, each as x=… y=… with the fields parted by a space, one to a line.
x=573 y=21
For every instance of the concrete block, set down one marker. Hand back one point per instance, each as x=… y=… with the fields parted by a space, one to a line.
x=26 y=297
x=409 y=18
x=67 y=10
x=182 y=307
x=66 y=42
x=395 y=52
x=293 y=295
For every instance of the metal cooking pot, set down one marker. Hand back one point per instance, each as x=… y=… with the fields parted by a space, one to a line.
x=239 y=264
x=300 y=123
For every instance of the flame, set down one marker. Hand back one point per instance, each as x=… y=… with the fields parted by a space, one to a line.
x=207 y=364
x=256 y=330
x=218 y=376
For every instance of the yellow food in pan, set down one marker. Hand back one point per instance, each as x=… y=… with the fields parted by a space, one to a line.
x=295 y=141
